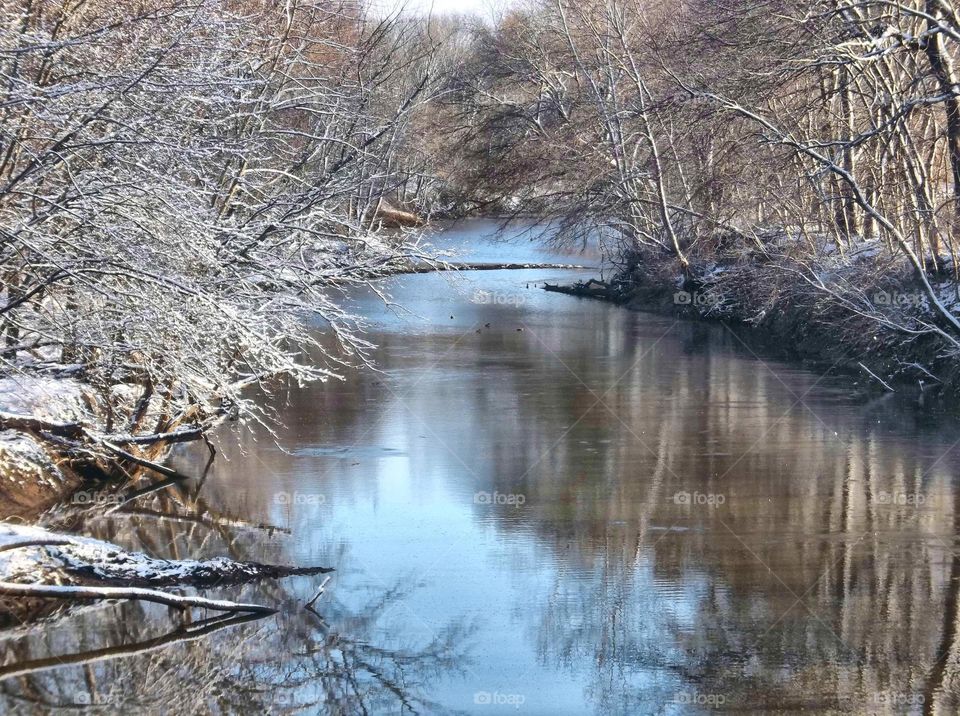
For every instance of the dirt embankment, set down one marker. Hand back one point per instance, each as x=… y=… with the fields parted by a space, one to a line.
x=34 y=474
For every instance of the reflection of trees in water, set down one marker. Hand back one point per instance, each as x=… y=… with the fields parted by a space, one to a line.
x=654 y=597
x=136 y=658
x=810 y=514
x=661 y=598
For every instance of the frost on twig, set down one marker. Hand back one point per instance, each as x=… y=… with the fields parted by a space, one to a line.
x=189 y=193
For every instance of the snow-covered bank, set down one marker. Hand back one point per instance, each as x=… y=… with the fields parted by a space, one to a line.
x=33 y=475
x=859 y=311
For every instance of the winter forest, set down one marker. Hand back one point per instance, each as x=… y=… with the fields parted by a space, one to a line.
x=288 y=423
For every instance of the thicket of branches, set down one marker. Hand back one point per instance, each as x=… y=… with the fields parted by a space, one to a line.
x=184 y=185
x=696 y=130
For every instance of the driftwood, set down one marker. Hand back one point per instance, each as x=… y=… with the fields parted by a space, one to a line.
x=591 y=289
x=486 y=266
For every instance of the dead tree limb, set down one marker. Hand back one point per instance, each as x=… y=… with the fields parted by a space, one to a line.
x=85 y=593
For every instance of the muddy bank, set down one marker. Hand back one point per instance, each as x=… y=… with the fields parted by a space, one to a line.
x=855 y=313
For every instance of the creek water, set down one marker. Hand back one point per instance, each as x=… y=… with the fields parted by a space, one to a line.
x=545 y=505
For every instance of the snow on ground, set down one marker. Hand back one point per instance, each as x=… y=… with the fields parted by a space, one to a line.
x=30 y=478
x=26 y=463
x=47 y=398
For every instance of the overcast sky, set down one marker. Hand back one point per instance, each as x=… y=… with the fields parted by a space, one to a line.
x=481 y=7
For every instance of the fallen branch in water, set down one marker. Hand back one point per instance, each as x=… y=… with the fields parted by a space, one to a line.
x=56 y=591
x=142 y=462
x=174 y=436
x=484 y=266
x=182 y=634
x=65 y=567
x=320 y=590
x=877 y=377
x=591 y=289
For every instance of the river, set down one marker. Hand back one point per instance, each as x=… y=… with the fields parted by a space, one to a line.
x=540 y=504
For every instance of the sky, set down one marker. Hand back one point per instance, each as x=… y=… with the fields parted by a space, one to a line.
x=443 y=7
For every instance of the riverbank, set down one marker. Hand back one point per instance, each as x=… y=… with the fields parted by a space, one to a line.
x=59 y=469
x=858 y=311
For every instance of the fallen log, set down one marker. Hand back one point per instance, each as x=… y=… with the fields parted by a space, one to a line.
x=590 y=289
x=393 y=218
x=66 y=567
x=488 y=266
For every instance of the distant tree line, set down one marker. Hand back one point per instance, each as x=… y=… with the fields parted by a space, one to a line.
x=695 y=130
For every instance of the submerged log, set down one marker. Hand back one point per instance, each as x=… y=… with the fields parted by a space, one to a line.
x=591 y=289
x=487 y=266
x=36 y=564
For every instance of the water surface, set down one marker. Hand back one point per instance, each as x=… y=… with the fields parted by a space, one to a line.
x=545 y=505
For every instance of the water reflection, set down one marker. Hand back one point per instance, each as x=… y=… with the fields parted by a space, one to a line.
x=698 y=528
x=137 y=658
x=574 y=509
